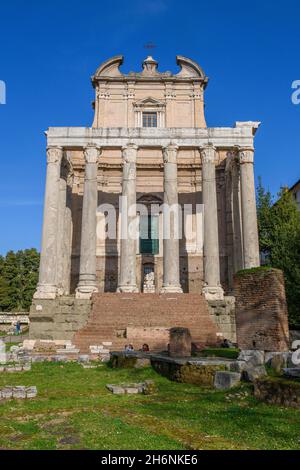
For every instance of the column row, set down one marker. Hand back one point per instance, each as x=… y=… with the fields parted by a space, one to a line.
x=56 y=223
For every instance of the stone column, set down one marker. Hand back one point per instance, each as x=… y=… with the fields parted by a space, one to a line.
x=47 y=288
x=212 y=287
x=249 y=216
x=171 y=276
x=87 y=274
x=64 y=227
x=127 y=277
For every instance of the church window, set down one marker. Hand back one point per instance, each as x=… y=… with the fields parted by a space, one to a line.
x=149 y=119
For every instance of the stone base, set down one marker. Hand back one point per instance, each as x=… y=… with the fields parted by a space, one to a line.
x=128 y=289
x=45 y=292
x=213 y=293
x=58 y=319
x=85 y=292
x=171 y=290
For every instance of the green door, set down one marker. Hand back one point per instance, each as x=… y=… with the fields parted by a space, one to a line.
x=149 y=236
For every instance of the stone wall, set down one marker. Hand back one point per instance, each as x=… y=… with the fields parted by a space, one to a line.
x=261 y=310
x=7 y=319
x=278 y=391
x=58 y=319
x=223 y=315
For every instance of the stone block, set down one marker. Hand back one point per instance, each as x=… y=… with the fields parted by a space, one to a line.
x=19 y=392
x=253 y=357
x=7 y=392
x=180 y=342
x=278 y=363
x=107 y=343
x=142 y=362
x=238 y=366
x=115 y=389
x=251 y=373
x=31 y=392
x=292 y=373
x=225 y=380
x=29 y=344
x=83 y=358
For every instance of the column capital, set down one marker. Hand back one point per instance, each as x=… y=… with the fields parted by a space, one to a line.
x=170 y=153
x=92 y=153
x=208 y=153
x=54 y=154
x=246 y=155
x=129 y=153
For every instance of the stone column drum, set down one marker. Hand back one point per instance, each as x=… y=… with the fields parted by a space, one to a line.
x=87 y=274
x=212 y=288
x=127 y=277
x=47 y=288
x=171 y=275
x=249 y=216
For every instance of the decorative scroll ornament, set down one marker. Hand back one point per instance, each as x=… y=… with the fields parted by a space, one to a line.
x=246 y=155
x=170 y=153
x=208 y=154
x=54 y=154
x=91 y=154
x=129 y=153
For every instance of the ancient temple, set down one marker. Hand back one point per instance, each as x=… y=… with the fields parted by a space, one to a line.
x=148 y=149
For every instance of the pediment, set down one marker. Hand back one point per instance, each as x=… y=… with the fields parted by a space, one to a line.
x=149 y=102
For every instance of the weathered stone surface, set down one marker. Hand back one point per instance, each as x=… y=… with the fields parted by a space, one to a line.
x=180 y=342
x=292 y=373
x=238 y=366
x=252 y=356
x=261 y=310
x=83 y=358
x=115 y=389
x=278 y=391
x=147 y=388
x=278 y=363
x=225 y=380
x=252 y=373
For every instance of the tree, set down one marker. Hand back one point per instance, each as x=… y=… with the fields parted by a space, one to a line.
x=18 y=279
x=279 y=237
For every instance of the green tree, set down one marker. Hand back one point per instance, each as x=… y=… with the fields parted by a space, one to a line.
x=279 y=237
x=18 y=279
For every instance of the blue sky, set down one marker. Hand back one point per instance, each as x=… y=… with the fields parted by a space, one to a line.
x=50 y=48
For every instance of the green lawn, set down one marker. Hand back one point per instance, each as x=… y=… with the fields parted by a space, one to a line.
x=74 y=410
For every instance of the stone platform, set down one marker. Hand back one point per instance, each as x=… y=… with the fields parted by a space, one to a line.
x=146 y=318
x=130 y=319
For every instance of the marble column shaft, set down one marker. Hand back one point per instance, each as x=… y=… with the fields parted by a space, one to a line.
x=47 y=288
x=249 y=215
x=127 y=277
x=64 y=229
x=171 y=271
x=212 y=288
x=87 y=274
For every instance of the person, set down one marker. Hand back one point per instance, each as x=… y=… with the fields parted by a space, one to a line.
x=18 y=328
x=145 y=348
x=226 y=344
x=128 y=348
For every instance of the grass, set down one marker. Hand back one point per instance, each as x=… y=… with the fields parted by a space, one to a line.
x=229 y=353
x=74 y=410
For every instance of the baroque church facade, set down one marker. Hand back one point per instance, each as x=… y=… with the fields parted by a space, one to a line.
x=149 y=143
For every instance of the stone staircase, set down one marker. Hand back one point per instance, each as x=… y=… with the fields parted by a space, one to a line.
x=145 y=318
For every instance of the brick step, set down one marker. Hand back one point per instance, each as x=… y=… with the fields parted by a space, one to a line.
x=113 y=312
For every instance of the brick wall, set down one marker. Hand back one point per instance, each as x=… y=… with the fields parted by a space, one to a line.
x=261 y=310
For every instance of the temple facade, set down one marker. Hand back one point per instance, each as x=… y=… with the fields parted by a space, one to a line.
x=149 y=145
